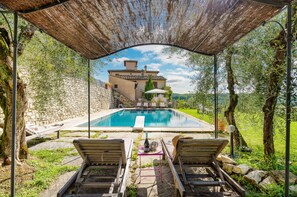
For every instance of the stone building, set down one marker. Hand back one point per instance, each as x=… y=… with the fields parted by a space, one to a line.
x=130 y=82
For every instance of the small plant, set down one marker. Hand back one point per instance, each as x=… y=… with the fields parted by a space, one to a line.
x=132 y=191
x=135 y=147
x=104 y=137
x=221 y=125
x=108 y=85
x=96 y=135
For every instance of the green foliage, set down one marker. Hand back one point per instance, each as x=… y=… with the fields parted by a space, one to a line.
x=205 y=117
x=250 y=126
x=169 y=92
x=251 y=129
x=181 y=104
x=47 y=168
x=149 y=86
x=47 y=62
x=131 y=191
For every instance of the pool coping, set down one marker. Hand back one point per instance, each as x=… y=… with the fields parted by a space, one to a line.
x=206 y=128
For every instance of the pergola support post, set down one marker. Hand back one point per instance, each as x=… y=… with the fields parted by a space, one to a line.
x=288 y=97
x=215 y=63
x=89 y=101
x=14 y=104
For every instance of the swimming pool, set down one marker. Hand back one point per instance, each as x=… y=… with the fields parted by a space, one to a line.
x=153 y=118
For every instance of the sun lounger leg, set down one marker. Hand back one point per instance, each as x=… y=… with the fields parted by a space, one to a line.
x=182 y=170
x=217 y=167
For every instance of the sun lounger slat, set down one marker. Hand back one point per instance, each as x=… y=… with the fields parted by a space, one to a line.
x=101 y=146
x=105 y=154
x=92 y=195
x=196 y=176
x=103 y=159
x=201 y=149
x=195 y=154
x=100 y=151
x=207 y=183
x=99 y=184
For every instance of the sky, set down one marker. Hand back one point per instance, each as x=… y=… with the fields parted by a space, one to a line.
x=172 y=67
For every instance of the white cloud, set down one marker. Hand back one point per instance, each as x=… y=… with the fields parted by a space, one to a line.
x=144 y=59
x=179 y=84
x=173 y=59
x=180 y=71
x=150 y=48
x=156 y=52
x=154 y=66
x=118 y=61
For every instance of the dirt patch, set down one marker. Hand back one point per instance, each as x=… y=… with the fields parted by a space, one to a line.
x=50 y=145
x=23 y=172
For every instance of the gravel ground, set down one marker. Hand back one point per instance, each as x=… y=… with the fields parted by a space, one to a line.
x=50 y=145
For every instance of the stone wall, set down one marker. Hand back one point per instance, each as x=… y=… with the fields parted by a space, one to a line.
x=73 y=102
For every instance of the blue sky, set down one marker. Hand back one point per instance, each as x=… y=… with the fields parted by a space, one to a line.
x=172 y=67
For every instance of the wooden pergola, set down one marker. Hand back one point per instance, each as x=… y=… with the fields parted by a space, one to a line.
x=98 y=28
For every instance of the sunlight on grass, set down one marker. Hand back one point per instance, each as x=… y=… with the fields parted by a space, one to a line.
x=48 y=167
x=251 y=128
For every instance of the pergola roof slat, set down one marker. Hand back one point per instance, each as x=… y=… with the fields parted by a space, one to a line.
x=96 y=28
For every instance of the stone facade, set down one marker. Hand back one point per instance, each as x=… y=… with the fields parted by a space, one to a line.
x=73 y=102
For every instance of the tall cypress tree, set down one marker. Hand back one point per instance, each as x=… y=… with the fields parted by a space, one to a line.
x=149 y=86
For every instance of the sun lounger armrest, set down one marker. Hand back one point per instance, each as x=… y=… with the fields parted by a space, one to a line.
x=177 y=182
x=67 y=185
x=126 y=173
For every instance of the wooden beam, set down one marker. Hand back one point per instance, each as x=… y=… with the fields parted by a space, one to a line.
x=43 y=7
x=279 y=3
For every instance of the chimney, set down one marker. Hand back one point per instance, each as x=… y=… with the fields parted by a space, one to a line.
x=145 y=69
x=130 y=64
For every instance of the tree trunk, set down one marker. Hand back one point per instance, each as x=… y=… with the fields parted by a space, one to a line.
x=6 y=89
x=6 y=82
x=276 y=75
x=233 y=100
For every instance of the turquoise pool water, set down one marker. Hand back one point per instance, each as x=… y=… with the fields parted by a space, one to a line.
x=153 y=118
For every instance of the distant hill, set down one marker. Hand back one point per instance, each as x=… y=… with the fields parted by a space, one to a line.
x=176 y=96
x=223 y=98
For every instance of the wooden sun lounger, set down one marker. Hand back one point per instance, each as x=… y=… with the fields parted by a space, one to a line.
x=139 y=105
x=162 y=105
x=145 y=104
x=197 y=153
x=104 y=170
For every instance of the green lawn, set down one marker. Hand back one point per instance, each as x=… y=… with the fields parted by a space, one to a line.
x=45 y=166
x=250 y=127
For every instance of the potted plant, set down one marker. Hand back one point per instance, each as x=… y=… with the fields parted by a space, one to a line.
x=108 y=85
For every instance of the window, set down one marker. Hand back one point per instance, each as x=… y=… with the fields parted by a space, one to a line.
x=155 y=84
x=115 y=85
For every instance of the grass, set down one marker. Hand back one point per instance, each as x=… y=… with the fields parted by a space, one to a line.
x=96 y=135
x=45 y=166
x=193 y=112
x=251 y=128
x=135 y=147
